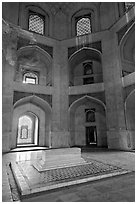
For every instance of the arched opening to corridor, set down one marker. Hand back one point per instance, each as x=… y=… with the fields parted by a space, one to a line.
x=31 y=123
x=27 y=133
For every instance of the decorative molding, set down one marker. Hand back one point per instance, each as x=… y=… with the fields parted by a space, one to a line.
x=58 y=7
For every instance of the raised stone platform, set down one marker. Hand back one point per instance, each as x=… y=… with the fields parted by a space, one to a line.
x=30 y=181
x=59 y=158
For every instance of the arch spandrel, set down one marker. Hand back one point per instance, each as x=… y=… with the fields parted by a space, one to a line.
x=86 y=98
x=34 y=100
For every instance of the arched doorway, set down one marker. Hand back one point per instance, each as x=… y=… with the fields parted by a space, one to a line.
x=90 y=127
x=27 y=133
x=37 y=113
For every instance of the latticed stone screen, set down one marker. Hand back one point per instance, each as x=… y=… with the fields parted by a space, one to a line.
x=36 y=24
x=83 y=26
x=30 y=78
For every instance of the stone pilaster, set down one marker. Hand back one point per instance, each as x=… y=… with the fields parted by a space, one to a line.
x=117 y=134
x=9 y=64
x=59 y=132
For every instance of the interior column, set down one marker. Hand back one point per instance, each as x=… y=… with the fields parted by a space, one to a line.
x=117 y=134
x=9 y=63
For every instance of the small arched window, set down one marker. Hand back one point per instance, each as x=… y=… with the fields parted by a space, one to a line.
x=88 y=68
x=36 y=22
x=88 y=73
x=30 y=78
x=90 y=115
x=83 y=26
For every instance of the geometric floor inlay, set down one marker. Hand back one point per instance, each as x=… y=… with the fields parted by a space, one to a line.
x=30 y=181
x=93 y=168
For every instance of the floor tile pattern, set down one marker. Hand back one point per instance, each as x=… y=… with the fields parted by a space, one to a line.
x=53 y=176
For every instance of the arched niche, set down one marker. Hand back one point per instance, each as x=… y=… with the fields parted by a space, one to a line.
x=130 y=116
x=38 y=107
x=76 y=66
x=78 y=124
x=34 y=59
x=127 y=51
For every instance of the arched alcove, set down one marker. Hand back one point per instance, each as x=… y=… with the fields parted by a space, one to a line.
x=34 y=59
x=78 y=61
x=130 y=117
x=79 y=126
x=37 y=107
x=127 y=51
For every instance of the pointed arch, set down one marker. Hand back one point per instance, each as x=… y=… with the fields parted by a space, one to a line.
x=27 y=132
x=34 y=59
x=34 y=47
x=132 y=92
x=96 y=54
x=27 y=7
x=126 y=34
x=76 y=60
x=80 y=100
x=38 y=107
x=34 y=100
x=78 y=123
x=79 y=12
x=129 y=34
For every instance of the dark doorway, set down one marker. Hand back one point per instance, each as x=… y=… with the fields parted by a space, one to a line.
x=91 y=135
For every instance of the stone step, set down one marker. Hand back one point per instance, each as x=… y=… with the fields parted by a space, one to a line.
x=41 y=166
